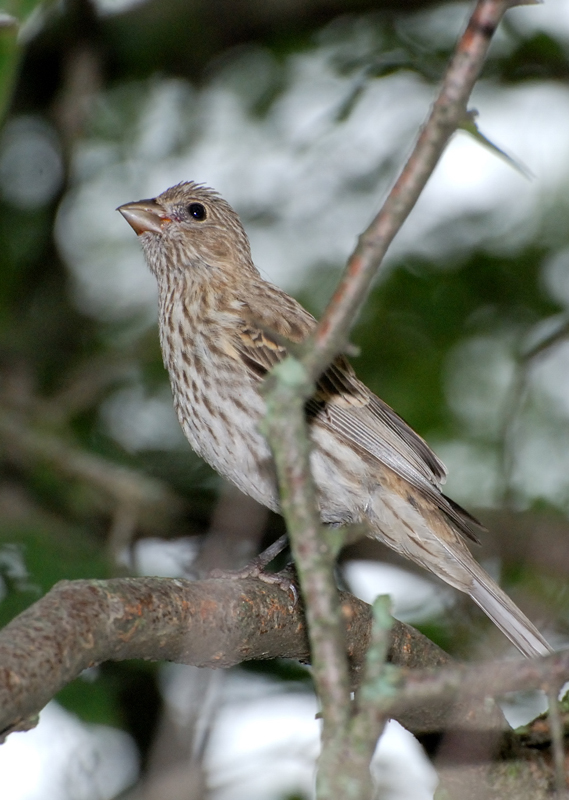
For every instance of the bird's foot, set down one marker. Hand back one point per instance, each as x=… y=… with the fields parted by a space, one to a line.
x=285 y=579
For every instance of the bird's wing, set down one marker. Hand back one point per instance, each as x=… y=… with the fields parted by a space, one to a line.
x=259 y=350
x=367 y=422
x=344 y=405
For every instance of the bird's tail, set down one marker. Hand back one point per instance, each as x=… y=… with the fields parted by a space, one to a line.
x=505 y=614
x=437 y=545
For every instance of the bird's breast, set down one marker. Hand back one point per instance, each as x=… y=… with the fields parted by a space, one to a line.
x=219 y=408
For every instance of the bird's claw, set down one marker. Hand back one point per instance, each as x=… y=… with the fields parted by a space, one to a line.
x=285 y=580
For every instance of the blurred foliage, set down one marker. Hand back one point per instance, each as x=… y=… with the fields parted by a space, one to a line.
x=423 y=310
x=8 y=62
x=59 y=365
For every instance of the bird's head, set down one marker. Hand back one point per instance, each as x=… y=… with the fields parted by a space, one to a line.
x=189 y=227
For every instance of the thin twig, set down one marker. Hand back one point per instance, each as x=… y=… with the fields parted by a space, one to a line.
x=557 y=744
x=290 y=386
x=124 y=485
x=519 y=390
x=448 y=112
x=285 y=427
x=288 y=436
x=381 y=683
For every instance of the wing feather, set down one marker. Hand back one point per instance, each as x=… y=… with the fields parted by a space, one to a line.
x=345 y=406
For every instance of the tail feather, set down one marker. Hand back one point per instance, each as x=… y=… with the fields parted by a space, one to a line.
x=505 y=614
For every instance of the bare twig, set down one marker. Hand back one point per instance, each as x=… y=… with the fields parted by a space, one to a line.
x=381 y=682
x=285 y=426
x=448 y=112
x=518 y=393
x=291 y=384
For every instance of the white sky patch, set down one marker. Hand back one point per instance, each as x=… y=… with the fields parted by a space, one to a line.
x=529 y=124
x=107 y=8
x=521 y=707
x=140 y=421
x=265 y=743
x=414 y=598
x=265 y=747
x=110 y=279
x=63 y=758
x=301 y=181
x=168 y=558
x=551 y=17
x=400 y=767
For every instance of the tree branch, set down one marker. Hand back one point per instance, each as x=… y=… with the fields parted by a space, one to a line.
x=286 y=429
x=218 y=623
x=448 y=112
x=122 y=484
x=210 y=623
x=292 y=383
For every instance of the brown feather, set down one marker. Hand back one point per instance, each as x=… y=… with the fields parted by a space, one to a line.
x=222 y=328
x=346 y=406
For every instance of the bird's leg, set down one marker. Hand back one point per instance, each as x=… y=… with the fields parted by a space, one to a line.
x=256 y=569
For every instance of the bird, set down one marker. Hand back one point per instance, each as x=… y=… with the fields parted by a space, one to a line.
x=222 y=328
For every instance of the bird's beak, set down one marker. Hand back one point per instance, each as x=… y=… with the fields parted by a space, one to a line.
x=145 y=215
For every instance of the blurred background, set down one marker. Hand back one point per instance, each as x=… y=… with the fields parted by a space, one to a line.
x=300 y=115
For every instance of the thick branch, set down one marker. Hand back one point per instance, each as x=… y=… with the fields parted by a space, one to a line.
x=220 y=623
x=210 y=623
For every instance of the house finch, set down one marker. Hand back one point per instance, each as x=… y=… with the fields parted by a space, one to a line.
x=217 y=316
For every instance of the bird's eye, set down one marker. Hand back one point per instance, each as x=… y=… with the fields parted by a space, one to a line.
x=197 y=211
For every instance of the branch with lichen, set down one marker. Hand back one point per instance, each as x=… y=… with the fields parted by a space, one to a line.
x=292 y=383
x=286 y=391
x=214 y=623
x=222 y=622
